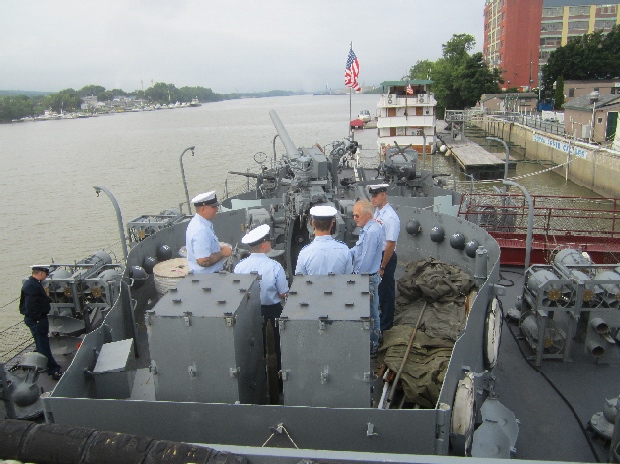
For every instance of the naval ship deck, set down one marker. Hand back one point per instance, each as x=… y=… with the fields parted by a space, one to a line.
x=553 y=402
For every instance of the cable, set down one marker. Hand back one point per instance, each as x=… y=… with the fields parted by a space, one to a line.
x=511 y=283
x=4 y=306
x=502 y=278
x=494 y=181
x=550 y=382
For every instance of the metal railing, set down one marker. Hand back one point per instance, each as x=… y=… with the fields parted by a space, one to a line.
x=533 y=121
x=553 y=215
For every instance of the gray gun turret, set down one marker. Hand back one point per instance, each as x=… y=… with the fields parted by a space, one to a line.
x=303 y=177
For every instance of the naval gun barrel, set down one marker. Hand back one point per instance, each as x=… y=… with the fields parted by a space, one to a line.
x=291 y=149
x=246 y=174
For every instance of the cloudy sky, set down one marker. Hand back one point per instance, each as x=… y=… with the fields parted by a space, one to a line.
x=226 y=45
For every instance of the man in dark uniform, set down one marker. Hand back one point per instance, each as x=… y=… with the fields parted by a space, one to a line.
x=34 y=304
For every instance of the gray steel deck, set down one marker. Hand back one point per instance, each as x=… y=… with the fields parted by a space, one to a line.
x=554 y=402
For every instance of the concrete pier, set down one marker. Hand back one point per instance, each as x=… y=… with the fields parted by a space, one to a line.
x=475 y=160
x=590 y=166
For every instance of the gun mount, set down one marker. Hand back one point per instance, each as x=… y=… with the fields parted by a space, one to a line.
x=300 y=179
x=399 y=164
x=332 y=175
x=81 y=295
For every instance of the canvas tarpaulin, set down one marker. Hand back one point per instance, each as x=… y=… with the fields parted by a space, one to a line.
x=442 y=288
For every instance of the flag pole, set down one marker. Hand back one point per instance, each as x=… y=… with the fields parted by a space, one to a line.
x=350 y=115
x=350 y=100
x=406 y=95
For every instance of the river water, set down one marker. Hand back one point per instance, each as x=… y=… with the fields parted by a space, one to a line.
x=51 y=212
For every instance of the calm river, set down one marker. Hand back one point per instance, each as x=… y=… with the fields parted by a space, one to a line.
x=50 y=210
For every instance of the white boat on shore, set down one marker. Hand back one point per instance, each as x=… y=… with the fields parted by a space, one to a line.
x=364 y=116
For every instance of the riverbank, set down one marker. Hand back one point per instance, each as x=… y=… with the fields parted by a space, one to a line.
x=587 y=165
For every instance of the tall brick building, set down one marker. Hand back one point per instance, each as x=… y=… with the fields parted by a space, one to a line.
x=519 y=35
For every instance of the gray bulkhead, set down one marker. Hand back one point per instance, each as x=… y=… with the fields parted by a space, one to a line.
x=76 y=400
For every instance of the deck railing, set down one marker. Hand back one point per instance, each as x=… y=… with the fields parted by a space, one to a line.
x=553 y=215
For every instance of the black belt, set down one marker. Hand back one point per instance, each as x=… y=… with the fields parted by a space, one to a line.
x=374 y=273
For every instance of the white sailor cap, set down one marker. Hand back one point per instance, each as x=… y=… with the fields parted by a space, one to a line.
x=323 y=211
x=378 y=188
x=41 y=267
x=256 y=236
x=208 y=198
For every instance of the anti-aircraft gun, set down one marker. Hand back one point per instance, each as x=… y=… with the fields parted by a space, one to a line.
x=399 y=166
x=299 y=166
x=302 y=178
x=81 y=294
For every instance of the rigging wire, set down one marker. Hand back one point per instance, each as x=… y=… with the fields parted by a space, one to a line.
x=10 y=302
x=495 y=181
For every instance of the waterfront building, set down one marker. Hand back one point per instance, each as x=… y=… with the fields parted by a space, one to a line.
x=574 y=89
x=406 y=115
x=89 y=102
x=594 y=119
x=521 y=102
x=564 y=19
x=511 y=38
x=519 y=35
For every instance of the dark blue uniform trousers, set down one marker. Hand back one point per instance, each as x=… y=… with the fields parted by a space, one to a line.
x=40 y=333
x=387 y=294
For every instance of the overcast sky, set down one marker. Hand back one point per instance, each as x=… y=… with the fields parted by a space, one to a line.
x=225 y=45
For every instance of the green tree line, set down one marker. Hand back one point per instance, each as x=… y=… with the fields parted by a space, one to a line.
x=589 y=57
x=459 y=78
x=18 y=106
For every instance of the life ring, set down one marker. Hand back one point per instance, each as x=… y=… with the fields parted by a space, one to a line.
x=492 y=333
x=463 y=416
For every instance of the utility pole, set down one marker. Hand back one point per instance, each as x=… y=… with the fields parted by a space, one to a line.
x=593 y=99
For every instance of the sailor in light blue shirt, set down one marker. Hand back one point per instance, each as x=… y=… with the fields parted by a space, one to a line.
x=388 y=219
x=367 y=251
x=366 y=256
x=324 y=255
x=273 y=283
x=204 y=253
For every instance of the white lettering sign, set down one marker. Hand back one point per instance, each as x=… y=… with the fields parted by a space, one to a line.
x=562 y=146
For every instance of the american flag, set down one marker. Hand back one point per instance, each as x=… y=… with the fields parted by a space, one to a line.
x=409 y=90
x=352 y=71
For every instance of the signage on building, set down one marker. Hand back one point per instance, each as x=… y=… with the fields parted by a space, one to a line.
x=558 y=145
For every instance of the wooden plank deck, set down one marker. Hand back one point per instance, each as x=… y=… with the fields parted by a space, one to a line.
x=474 y=159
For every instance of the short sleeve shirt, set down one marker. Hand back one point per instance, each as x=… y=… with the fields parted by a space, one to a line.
x=201 y=242
x=387 y=218
x=273 y=279
x=324 y=256
x=367 y=252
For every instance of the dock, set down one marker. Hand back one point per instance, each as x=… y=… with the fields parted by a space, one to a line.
x=475 y=160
